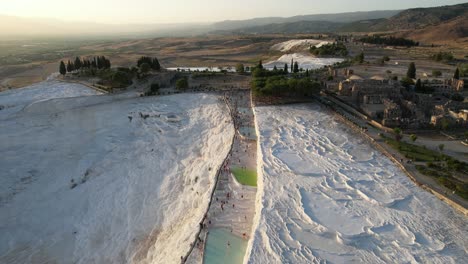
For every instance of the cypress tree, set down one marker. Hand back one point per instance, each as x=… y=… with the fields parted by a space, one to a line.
x=411 y=71
x=418 y=86
x=99 y=62
x=155 y=64
x=292 y=65
x=260 y=65
x=296 y=67
x=77 y=63
x=456 y=75
x=285 y=68
x=62 y=68
x=69 y=67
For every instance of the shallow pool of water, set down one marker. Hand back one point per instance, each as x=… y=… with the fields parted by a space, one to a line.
x=245 y=111
x=219 y=251
x=248 y=132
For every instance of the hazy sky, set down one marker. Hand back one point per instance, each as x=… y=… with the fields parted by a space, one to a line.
x=154 y=11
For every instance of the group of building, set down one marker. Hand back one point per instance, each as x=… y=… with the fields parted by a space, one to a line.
x=388 y=102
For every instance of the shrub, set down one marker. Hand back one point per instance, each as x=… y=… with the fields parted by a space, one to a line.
x=182 y=83
x=443 y=56
x=121 y=79
x=436 y=73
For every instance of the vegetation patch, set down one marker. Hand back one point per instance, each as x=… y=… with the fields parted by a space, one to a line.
x=445 y=169
x=245 y=176
x=414 y=152
x=280 y=83
x=389 y=41
x=334 y=49
x=443 y=56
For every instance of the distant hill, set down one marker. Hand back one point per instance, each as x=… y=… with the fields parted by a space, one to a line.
x=452 y=30
x=362 y=26
x=291 y=28
x=418 y=18
x=337 y=18
x=421 y=24
x=450 y=21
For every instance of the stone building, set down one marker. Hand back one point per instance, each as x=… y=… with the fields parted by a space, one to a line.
x=372 y=89
x=392 y=114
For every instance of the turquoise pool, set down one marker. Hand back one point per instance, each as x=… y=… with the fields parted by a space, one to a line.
x=217 y=249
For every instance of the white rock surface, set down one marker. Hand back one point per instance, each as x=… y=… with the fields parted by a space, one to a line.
x=141 y=186
x=328 y=196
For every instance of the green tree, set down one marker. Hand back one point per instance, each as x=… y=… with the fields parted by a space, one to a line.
x=154 y=88
x=70 y=66
x=240 y=68
x=155 y=64
x=285 y=68
x=413 y=137
x=436 y=73
x=145 y=68
x=296 y=67
x=182 y=83
x=78 y=63
x=411 y=73
x=360 y=58
x=418 y=86
x=62 y=68
x=260 y=65
x=121 y=79
x=406 y=82
x=397 y=131
x=456 y=75
x=292 y=65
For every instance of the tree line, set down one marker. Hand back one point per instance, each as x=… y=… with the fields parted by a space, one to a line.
x=277 y=82
x=389 y=41
x=153 y=63
x=100 y=62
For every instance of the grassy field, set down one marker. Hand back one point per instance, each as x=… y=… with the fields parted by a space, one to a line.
x=413 y=152
x=245 y=176
x=448 y=171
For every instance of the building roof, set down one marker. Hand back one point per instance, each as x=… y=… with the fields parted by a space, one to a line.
x=355 y=77
x=377 y=78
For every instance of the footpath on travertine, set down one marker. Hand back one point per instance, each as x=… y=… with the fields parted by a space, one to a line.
x=233 y=204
